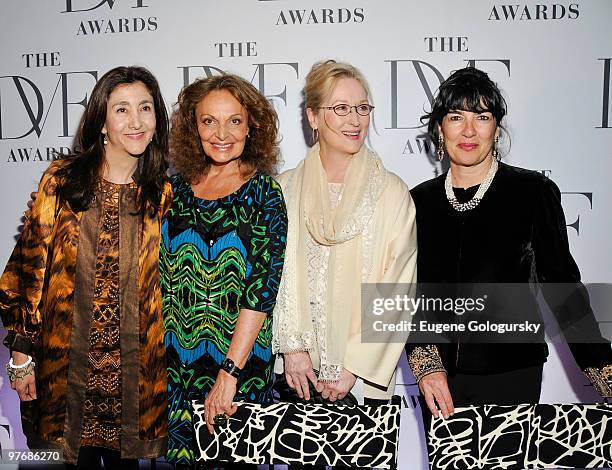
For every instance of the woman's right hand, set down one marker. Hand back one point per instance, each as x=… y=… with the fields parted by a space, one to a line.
x=26 y=386
x=434 y=388
x=298 y=371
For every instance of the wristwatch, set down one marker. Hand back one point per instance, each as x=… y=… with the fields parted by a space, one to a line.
x=228 y=366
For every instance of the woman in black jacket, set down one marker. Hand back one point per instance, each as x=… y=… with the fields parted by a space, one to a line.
x=487 y=222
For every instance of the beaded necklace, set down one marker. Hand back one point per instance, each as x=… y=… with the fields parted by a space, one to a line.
x=475 y=200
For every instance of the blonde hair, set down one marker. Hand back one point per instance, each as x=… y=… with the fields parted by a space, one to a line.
x=322 y=78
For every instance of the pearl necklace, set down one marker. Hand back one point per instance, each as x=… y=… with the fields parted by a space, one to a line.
x=469 y=205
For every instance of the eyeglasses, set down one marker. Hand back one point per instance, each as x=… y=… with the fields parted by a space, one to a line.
x=345 y=109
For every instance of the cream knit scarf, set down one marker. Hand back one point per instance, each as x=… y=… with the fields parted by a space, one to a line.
x=310 y=214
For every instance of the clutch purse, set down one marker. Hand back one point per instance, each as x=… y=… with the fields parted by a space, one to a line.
x=302 y=434
x=523 y=436
x=288 y=394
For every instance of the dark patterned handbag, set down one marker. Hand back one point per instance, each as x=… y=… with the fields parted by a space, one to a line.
x=522 y=436
x=304 y=434
x=289 y=395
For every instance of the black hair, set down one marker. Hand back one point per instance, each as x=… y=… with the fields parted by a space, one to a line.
x=467 y=89
x=78 y=177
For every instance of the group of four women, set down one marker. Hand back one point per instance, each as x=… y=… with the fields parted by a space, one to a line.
x=128 y=295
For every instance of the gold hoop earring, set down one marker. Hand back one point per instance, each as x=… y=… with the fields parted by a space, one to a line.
x=440 y=150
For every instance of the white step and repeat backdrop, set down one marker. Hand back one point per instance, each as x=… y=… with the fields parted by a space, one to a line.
x=552 y=59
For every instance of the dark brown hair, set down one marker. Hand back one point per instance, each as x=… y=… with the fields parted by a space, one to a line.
x=467 y=89
x=78 y=177
x=261 y=151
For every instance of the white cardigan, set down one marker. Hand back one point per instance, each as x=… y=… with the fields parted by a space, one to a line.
x=390 y=255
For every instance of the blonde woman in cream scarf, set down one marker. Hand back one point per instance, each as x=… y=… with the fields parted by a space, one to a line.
x=350 y=222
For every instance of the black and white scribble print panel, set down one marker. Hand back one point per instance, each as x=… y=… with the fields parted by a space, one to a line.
x=524 y=436
x=283 y=433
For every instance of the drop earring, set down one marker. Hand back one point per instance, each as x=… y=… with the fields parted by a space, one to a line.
x=440 y=150
x=495 y=152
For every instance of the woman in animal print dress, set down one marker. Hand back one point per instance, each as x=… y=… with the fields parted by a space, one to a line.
x=80 y=295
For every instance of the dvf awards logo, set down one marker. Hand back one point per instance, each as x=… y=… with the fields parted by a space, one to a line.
x=99 y=26
x=73 y=6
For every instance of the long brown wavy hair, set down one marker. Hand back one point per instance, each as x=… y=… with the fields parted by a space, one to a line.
x=261 y=150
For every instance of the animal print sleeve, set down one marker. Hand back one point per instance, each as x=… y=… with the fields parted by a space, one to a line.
x=22 y=282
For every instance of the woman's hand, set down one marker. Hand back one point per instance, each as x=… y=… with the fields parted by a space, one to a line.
x=338 y=390
x=298 y=371
x=26 y=386
x=434 y=388
x=220 y=400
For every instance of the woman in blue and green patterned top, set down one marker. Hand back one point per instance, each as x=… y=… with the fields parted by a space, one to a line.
x=221 y=258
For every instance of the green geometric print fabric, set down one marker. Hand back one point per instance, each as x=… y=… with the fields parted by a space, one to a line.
x=216 y=257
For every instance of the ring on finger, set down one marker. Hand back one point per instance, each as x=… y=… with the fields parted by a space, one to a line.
x=220 y=420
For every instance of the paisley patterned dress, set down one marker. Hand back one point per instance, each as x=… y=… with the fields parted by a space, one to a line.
x=217 y=256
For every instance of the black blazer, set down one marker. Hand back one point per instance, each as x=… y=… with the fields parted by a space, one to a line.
x=517 y=234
